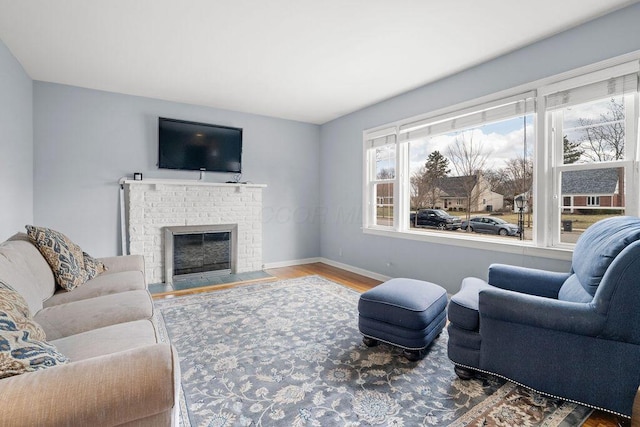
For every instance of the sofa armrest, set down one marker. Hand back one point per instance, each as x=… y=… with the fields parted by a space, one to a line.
x=108 y=390
x=527 y=280
x=540 y=312
x=116 y=264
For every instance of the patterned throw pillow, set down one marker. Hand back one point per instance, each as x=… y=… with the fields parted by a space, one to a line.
x=13 y=306
x=66 y=259
x=92 y=266
x=22 y=345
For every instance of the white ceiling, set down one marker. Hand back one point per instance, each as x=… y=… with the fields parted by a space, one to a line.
x=304 y=60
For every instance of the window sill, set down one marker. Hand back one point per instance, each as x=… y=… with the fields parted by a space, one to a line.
x=475 y=242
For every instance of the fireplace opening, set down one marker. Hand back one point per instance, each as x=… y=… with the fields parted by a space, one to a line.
x=199 y=251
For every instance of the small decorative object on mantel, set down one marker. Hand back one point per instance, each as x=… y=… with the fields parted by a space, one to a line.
x=137 y=176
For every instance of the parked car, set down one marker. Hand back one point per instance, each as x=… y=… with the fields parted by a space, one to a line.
x=435 y=218
x=488 y=224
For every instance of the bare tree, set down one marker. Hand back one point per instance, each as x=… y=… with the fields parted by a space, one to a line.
x=468 y=159
x=386 y=173
x=603 y=138
x=520 y=174
x=419 y=191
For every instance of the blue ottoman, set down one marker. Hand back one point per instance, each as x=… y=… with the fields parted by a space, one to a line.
x=406 y=313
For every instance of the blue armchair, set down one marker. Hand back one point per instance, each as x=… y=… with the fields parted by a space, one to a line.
x=573 y=335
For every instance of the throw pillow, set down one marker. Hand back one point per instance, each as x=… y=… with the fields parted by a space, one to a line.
x=22 y=345
x=14 y=307
x=92 y=266
x=66 y=259
x=19 y=353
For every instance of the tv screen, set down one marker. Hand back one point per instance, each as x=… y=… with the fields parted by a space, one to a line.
x=198 y=146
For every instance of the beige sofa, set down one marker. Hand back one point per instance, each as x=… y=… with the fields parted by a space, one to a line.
x=119 y=373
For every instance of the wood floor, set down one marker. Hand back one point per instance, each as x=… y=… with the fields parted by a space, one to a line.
x=360 y=284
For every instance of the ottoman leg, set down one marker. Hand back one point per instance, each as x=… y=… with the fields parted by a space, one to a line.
x=370 y=342
x=412 y=355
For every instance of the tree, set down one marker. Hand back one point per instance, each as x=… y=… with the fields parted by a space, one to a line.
x=386 y=173
x=516 y=177
x=436 y=167
x=419 y=193
x=425 y=186
x=468 y=159
x=571 y=150
x=603 y=138
x=520 y=173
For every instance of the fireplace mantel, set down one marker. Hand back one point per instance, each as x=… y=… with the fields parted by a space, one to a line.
x=182 y=182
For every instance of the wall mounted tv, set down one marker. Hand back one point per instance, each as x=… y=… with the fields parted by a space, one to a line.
x=198 y=146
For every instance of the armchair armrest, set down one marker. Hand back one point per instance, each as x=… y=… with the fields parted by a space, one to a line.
x=527 y=280
x=108 y=390
x=540 y=312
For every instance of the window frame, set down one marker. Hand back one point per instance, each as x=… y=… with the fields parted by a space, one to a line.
x=546 y=236
x=593 y=200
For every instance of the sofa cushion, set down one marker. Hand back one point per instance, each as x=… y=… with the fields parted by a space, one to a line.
x=15 y=309
x=22 y=345
x=107 y=340
x=75 y=317
x=104 y=284
x=572 y=290
x=70 y=265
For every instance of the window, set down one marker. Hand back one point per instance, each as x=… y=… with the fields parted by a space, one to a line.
x=594 y=138
x=593 y=201
x=381 y=171
x=565 y=149
x=469 y=163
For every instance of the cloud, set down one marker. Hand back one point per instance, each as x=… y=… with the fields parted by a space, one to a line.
x=499 y=147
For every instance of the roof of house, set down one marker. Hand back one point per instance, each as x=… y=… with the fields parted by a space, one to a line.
x=592 y=181
x=457 y=186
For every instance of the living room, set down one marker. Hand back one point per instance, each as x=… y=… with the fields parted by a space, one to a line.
x=66 y=143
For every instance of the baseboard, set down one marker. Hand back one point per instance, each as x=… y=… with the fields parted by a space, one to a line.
x=291 y=263
x=330 y=262
x=357 y=270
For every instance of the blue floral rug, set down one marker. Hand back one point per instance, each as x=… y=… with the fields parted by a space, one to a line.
x=289 y=353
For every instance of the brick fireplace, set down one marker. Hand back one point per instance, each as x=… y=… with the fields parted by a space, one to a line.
x=152 y=206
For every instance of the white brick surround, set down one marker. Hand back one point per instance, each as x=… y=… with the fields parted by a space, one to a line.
x=155 y=204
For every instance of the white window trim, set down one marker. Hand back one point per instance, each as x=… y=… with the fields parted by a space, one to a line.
x=541 y=244
x=594 y=199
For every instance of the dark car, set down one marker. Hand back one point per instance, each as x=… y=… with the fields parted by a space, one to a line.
x=491 y=225
x=435 y=218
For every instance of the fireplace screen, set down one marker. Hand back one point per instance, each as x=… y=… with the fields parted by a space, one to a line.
x=199 y=251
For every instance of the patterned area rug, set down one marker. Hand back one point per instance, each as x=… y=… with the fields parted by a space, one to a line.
x=289 y=353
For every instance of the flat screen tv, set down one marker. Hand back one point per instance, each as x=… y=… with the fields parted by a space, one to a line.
x=198 y=146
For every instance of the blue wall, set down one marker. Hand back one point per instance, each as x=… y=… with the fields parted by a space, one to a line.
x=342 y=155
x=16 y=145
x=85 y=140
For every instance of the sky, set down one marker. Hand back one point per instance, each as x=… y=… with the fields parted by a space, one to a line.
x=500 y=141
